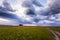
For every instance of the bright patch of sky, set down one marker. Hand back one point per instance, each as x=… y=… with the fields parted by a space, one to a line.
x=43 y=2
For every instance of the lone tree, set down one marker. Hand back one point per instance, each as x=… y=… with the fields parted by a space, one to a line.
x=20 y=24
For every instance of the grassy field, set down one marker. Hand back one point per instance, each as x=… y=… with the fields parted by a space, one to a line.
x=24 y=33
x=56 y=28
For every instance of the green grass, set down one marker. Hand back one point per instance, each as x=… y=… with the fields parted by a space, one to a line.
x=56 y=28
x=24 y=33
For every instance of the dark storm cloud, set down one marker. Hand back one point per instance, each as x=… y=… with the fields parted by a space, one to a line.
x=30 y=12
x=5 y=11
x=37 y=3
x=53 y=7
x=29 y=4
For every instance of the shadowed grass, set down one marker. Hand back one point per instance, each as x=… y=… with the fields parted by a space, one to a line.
x=56 y=28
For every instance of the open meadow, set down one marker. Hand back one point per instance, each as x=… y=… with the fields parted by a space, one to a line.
x=25 y=33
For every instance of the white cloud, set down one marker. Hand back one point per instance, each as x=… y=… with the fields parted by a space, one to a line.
x=6 y=22
x=47 y=21
x=41 y=17
x=52 y=17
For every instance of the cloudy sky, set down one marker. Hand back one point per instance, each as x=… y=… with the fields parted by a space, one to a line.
x=40 y=12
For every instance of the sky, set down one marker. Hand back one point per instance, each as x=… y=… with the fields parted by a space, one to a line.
x=40 y=12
